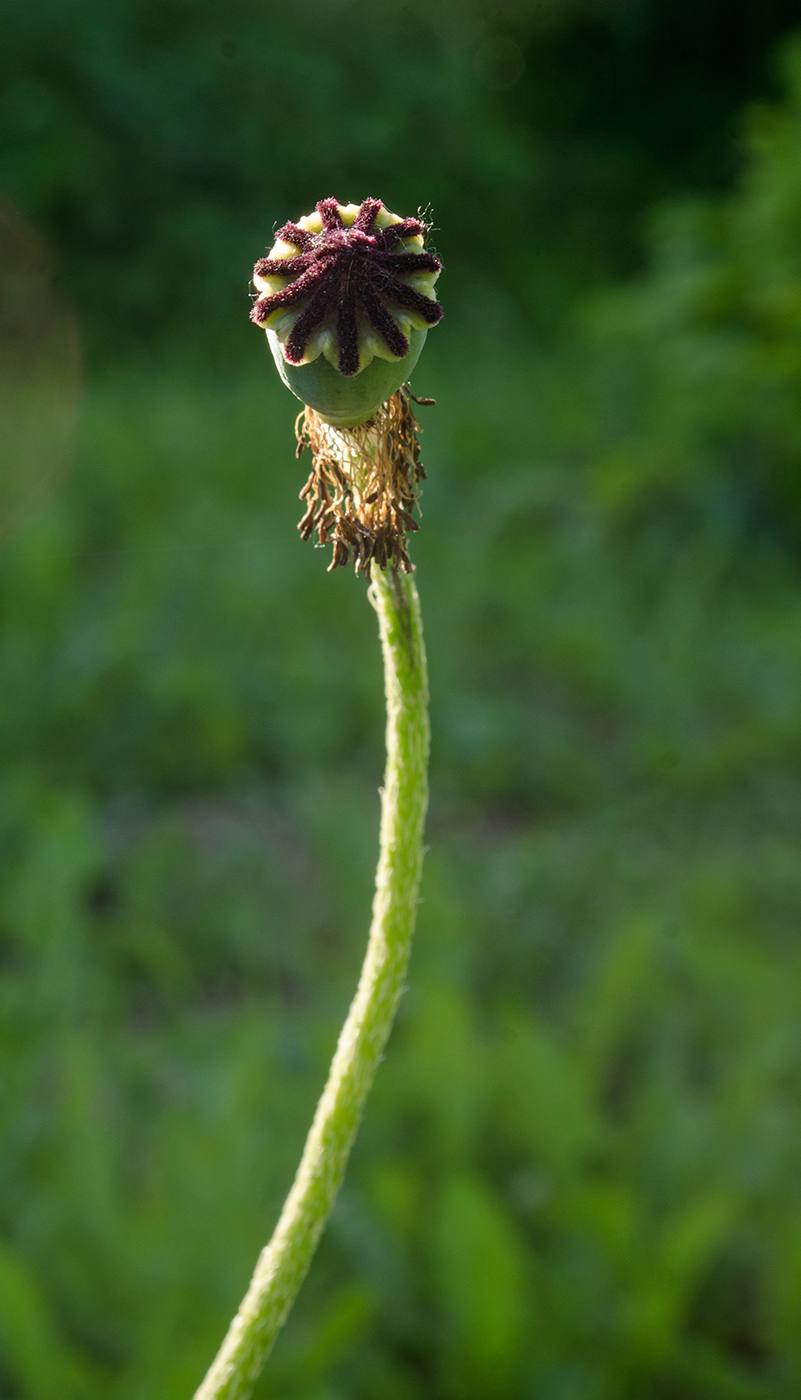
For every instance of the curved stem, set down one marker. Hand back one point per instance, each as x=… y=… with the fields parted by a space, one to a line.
x=283 y=1263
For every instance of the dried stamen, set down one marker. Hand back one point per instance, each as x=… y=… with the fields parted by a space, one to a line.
x=364 y=485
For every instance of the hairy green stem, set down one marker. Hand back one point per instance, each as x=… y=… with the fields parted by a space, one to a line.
x=283 y=1263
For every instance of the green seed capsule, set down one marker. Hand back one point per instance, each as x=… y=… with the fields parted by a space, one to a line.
x=339 y=400
x=346 y=298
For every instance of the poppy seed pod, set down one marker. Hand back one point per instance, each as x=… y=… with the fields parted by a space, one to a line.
x=346 y=296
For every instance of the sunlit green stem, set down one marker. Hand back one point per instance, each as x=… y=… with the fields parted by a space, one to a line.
x=283 y=1264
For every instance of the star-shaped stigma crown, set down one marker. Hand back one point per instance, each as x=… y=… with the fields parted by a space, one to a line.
x=348 y=282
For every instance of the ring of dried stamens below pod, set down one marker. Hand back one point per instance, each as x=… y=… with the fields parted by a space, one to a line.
x=363 y=485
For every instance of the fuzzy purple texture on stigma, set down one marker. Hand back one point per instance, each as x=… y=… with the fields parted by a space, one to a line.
x=343 y=271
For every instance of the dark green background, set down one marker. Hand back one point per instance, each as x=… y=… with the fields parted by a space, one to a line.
x=579 y=1177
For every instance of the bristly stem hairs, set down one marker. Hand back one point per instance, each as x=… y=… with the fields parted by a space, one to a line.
x=346 y=296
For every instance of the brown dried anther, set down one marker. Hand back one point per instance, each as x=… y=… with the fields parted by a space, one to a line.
x=364 y=485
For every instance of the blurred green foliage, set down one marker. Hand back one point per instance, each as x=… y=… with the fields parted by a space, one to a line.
x=578 y=1178
x=159 y=140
